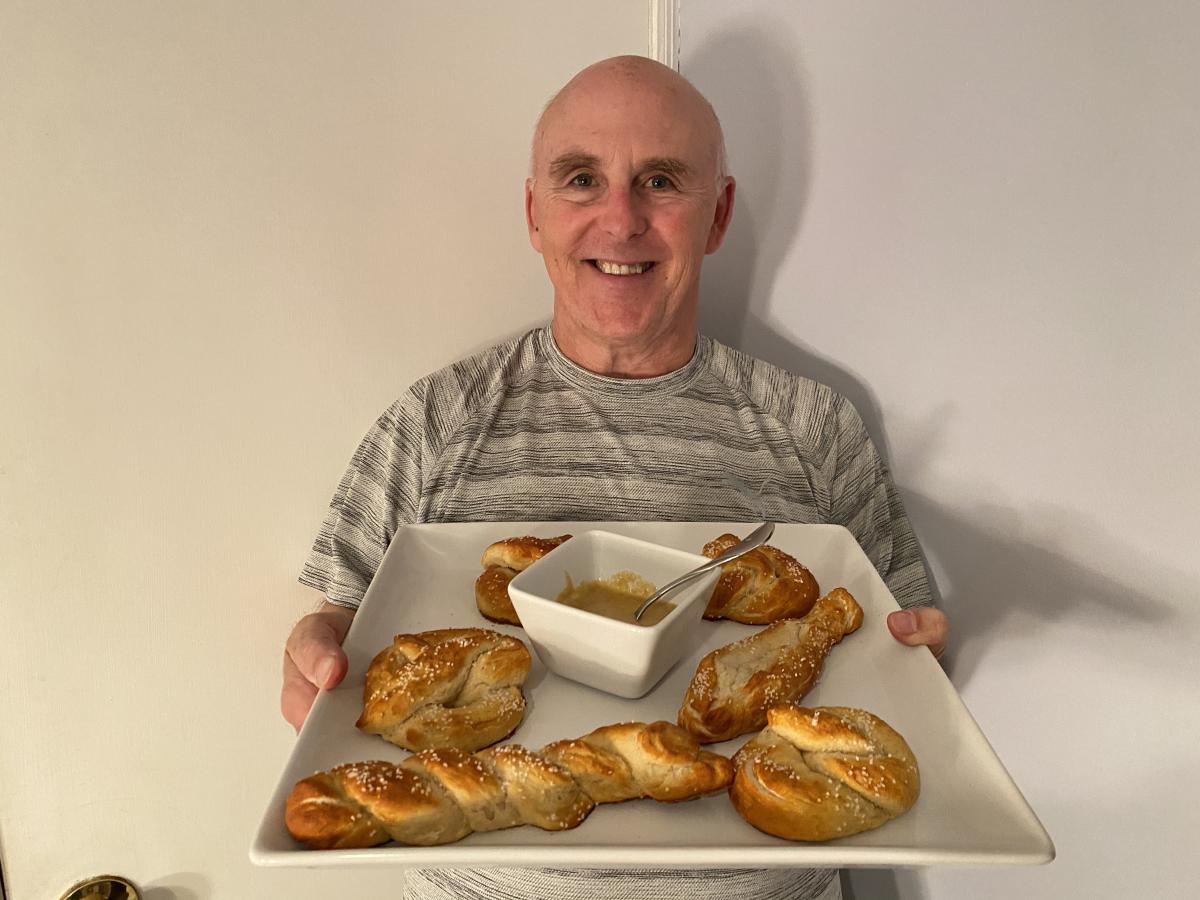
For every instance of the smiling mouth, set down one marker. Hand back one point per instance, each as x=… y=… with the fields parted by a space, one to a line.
x=615 y=268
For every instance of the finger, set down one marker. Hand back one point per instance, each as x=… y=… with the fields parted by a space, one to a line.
x=920 y=627
x=296 y=698
x=314 y=648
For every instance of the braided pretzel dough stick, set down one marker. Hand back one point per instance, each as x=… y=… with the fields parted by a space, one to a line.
x=759 y=587
x=440 y=796
x=452 y=687
x=501 y=562
x=735 y=685
x=827 y=772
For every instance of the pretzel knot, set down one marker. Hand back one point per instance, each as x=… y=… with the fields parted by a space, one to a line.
x=501 y=562
x=821 y=773
x=439 y=796
x=453 y=687
x=762 y=586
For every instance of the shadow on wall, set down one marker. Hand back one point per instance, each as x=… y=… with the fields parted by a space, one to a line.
x=1001 y=570
x=754 y=78
x=752 y=74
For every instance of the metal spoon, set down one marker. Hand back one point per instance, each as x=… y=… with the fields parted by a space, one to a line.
x=756 y=538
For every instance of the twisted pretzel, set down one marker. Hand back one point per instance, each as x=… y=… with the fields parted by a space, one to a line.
x=735 y=685
x=453 y=687
x=762 y=586
x=828 y=772
x=502 y=561
x=440 y=796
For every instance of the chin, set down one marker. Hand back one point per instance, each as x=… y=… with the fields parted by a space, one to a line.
x=624 y=331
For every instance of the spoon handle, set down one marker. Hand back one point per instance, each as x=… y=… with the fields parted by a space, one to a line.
x=757 y=537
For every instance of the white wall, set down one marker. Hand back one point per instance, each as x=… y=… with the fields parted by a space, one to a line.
x=981 y=222
x=230 y=234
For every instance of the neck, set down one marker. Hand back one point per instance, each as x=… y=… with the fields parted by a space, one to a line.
x=660 y=355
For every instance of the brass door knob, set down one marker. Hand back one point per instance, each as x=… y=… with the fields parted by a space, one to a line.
x=103 y=887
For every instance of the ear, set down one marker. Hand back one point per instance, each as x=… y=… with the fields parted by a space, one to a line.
x=722 y=215
x=535 y=237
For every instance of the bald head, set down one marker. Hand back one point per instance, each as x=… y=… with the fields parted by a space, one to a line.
x=635 y=86
x=626 y=198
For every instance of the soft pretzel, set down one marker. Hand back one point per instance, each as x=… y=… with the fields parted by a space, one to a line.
x=827 y=772
x=501 y=562
x=735 y=685
x=453 y=687
x=762 y=586
x=439 y=796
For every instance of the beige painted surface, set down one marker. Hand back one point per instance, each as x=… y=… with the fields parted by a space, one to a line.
x=230 y=235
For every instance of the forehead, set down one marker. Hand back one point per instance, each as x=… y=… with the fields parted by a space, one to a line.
x=621 y=120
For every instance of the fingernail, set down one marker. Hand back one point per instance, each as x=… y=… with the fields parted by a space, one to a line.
x=325 y=672
x=904 y=623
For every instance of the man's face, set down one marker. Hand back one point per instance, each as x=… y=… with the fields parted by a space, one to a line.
x=623 y=205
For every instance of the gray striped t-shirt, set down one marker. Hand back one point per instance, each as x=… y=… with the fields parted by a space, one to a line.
x=519 y=432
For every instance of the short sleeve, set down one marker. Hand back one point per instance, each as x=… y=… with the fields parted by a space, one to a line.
x=379 y=492
x=865 y=500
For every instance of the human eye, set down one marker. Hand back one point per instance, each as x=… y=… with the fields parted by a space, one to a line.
x=584 y=180
x=659 y=182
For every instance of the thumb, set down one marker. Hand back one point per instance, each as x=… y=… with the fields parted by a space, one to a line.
x=327 y=671
x=314 y=648
x=920 y=627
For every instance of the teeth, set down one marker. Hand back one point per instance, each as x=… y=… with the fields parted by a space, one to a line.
x=611 y=268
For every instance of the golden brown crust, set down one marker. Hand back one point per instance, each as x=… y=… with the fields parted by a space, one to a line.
x=439 y=796
x=502 y=561
x=451 y=687
x=319 y=808
x=759 y=587
x=630 y=759
x=491 y=595
x=735 y=685
x=822 y=773
x=519 y=553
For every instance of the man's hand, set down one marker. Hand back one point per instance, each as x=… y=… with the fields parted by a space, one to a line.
x=312 y=659
x=921 y=626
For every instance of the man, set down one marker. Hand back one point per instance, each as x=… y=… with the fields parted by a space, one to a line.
x=617 y=411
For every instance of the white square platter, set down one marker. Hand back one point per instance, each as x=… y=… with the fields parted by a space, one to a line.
x=969 y=812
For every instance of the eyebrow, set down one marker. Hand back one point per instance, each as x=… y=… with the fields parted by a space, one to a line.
x=668 y=165
x=573 y=159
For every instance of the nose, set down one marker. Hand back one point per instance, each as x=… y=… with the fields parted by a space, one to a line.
x=623 y=214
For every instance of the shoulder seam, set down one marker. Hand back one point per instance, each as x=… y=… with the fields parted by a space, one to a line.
x=485 y=360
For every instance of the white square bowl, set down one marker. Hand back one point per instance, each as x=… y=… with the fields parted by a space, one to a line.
x=617 y=657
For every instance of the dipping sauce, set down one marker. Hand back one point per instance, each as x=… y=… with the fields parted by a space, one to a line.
x=616 y=597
